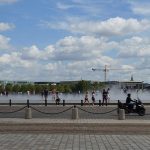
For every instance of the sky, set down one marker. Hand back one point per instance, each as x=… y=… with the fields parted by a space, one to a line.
x=62 y=40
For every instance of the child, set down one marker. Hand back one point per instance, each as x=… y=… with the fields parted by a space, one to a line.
x=86 y=98
x=57 y=99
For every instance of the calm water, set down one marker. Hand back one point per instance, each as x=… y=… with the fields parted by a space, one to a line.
x=114 y=96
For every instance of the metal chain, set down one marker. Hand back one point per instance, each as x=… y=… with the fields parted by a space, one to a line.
x=97 y=112
x=51 y=113
x=15 y=110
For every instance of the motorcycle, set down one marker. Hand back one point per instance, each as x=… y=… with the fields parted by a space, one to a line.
x=135 y=107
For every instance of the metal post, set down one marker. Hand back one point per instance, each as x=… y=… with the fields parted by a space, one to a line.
x=118 y=107
x=63 y=102
x=28 y=105
x=45 y=102
x=81 y=102
x=28 y=112
x=10 y=102
x=100 y=103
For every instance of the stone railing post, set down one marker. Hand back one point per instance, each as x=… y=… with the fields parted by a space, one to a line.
x=121 y=114
x=75 y=114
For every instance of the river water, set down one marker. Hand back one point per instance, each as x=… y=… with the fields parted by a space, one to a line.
x=115 y=95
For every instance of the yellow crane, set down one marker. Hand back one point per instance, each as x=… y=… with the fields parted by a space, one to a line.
x=105 y=70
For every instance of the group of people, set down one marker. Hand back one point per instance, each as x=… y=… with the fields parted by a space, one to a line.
x=55 y=96
x=105 y=97
x=4 y=93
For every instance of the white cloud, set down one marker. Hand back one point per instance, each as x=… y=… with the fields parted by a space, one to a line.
x=141 y=8
x=71 y=48
x=64 y=6
x=4 y=42
x=6 y=26
x=8 y=1
x=34 y=52
x=111 y=27
x=92 y=8
x=134 y=47
x=144 y=10
x=68 y=59
x=73 y=57
x=85 y=47
x=14 y=60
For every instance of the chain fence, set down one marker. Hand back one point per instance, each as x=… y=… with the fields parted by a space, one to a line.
x=99 y=113
x=51 y=113
x=13 y=111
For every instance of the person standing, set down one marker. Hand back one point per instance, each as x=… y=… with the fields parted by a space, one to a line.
x=53 y=95
x=45 y=95
x=93 y=97
x=57 y=99
x=104 y=95
x=108 y=95
x=86 y=99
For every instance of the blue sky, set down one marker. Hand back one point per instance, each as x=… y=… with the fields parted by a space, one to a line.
x=55 y=40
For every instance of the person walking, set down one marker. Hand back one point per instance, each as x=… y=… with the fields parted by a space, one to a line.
x=45 y=92
x=86 y=99
x=104 y=96
x=93 y=97
x=57 y=98
x=108 y=95
x=53 y=95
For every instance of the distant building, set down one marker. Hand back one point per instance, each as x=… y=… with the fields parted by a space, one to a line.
x=131 y=84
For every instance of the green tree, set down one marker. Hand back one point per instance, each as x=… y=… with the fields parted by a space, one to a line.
x=1 y=88
x=9 y=87
x=16 y=88
x=83 y=86
x=67 y=89
x=38 y=89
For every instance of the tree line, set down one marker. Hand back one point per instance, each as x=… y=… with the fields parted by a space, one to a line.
x=80 y=86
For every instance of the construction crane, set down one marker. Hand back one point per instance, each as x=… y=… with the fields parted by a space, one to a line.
x=105 y=70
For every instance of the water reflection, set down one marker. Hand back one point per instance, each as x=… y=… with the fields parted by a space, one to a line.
x=115 y=95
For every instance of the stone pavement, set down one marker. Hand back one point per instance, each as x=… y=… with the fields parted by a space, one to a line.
x=73 y=142
x=96 y=126
x=60 y=132
x=62 y=122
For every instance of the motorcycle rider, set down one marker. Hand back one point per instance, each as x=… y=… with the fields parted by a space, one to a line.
x=129 y=101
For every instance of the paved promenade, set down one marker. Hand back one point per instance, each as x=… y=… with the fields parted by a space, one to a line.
x=89 y=126
x=73 y=142
x=60 y=132
x=54 y=112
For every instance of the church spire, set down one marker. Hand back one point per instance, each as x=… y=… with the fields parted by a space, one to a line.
x=131 y=78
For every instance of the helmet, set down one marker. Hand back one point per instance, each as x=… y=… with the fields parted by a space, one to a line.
x=129 y=95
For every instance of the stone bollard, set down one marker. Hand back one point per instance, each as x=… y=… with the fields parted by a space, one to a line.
x=28 y=113
x=121 y=115
x=75 y=114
